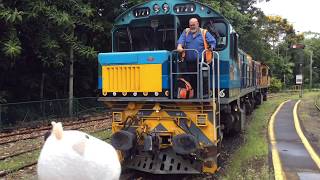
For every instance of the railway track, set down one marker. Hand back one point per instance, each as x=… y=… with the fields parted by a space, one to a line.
x=228 y=148
x=35 y=133
x=38 y=148
x=134 y=175
x=3 y=158
x=4 y=173
x=70 y=123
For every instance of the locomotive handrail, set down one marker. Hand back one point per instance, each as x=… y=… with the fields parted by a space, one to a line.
x=213 y=83
x=171 y=72
x=218 y=89
x=201 y=73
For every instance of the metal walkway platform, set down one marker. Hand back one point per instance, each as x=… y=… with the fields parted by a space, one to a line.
x=291 y=158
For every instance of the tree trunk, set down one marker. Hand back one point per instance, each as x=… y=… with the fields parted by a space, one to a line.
x=42 y=92
x=42 y=85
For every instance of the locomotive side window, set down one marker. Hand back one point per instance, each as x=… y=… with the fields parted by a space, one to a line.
x=264 y=72
x=219 y=31
x=234 y=45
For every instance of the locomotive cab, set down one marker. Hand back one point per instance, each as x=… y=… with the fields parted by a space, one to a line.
x=156 y=34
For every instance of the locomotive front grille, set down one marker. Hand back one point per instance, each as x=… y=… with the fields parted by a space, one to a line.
x=122 y=78
x=165 y=162
x=132 y=78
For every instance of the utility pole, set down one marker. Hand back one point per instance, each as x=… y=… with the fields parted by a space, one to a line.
x=311 y=69
x=301 y=85
x=71 y=78
x=284 y=81
x=299 y=76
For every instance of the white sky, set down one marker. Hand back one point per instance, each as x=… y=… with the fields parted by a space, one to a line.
x=303 y=14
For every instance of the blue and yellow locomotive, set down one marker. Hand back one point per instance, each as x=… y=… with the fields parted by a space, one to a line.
x=154 y=128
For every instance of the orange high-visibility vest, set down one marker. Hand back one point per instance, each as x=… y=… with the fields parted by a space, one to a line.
x=208 y=54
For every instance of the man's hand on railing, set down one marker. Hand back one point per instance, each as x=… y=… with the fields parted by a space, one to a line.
x=180 y=49
x=181 y=53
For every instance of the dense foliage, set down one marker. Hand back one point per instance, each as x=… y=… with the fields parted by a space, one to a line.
x=275 y=85
x=39 y=38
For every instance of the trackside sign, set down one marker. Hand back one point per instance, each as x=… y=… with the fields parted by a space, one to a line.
x=299 y=79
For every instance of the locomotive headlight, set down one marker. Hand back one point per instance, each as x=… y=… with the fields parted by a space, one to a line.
x=165 y=7
x=156 y=8
x=202 y=119
x=167 y=93
x=117 y=117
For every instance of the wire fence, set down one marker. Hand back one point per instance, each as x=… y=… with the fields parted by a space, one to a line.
x=37 y=113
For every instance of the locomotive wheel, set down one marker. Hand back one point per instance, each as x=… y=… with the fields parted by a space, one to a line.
x=228 y=123
x=247 y=107
x=265 y=97
x=259 y=99
x=252 y=106
x=237 y=122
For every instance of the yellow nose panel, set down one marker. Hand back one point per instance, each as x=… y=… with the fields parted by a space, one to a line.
x=132 y=78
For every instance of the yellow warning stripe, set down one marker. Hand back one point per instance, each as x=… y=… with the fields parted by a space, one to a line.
x=278 y=172
x=304 y=140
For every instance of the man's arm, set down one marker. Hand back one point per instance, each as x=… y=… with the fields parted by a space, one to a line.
x=211 y=40
x=181 y=41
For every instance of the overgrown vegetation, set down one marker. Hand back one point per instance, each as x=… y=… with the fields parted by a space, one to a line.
x=250 y=161
x=275 y=85
x=38 y=39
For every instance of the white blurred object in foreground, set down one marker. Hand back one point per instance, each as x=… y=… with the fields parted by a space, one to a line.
x=74 y=155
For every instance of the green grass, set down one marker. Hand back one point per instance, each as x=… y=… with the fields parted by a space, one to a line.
x=313 y=97
x=250 y=161
x=103 y=135
x=15 y=163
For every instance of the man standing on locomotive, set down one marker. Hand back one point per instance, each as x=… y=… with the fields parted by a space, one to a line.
x=193 y=38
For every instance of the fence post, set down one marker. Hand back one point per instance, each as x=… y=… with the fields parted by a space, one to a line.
x=1 y=127
x=77 y=108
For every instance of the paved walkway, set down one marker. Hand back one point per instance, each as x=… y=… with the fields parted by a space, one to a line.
x=292 y=157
